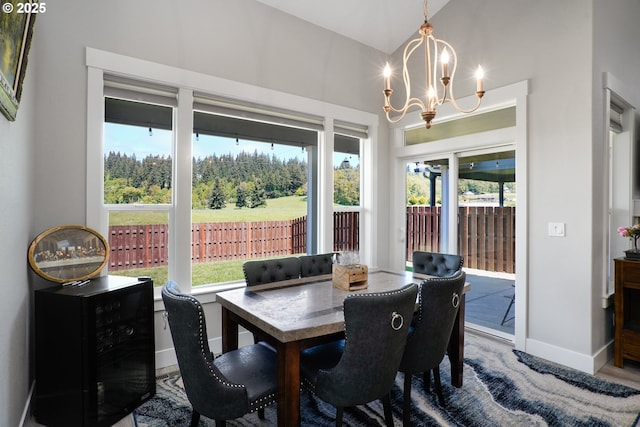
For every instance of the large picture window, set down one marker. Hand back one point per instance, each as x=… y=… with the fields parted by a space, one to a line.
x=138 y=176
x=187 y=185
x=249 y=194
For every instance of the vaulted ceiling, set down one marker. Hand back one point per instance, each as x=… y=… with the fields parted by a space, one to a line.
x=382 y=24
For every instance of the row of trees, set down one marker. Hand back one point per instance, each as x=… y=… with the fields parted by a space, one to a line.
x=246 y=179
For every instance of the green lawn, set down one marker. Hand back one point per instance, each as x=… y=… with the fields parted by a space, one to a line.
x=202 y=273
x=283 y=208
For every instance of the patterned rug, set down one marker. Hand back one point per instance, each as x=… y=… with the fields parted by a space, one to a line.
x=502 y=387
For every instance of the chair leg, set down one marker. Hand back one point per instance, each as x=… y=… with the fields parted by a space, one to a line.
x=261 y=413
x=339 y=413
x=426 y=379
x=388 y=415
x=437 y=385
x=406 y=405
x=221 y=423
x=195 y=418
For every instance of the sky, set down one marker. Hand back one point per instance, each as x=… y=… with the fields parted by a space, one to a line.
x=139 y=141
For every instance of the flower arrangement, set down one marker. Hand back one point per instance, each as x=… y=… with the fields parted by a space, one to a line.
x=632 y=232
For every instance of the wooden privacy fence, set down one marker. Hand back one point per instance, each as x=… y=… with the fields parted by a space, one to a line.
x=486 y=235
x=486 y=238
x=144 y=246
x=137 y=246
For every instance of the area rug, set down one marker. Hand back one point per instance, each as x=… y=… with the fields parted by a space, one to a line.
x=501 y=387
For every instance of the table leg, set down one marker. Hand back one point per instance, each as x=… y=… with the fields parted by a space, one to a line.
x=288 y=384
x=456 y=346
x=229 y=331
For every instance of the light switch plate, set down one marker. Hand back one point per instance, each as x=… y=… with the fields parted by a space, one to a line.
x=556 y=229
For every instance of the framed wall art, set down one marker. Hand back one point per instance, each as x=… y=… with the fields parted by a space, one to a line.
x=68 y=253
x=16 y=29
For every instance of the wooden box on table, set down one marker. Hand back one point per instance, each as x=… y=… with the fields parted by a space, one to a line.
x=350 y=277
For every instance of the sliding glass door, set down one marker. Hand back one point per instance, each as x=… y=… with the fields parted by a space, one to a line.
x=486 y=204
x=465 y=203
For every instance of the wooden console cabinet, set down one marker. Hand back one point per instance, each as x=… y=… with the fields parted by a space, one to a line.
x=94 y=351
x=627 y=311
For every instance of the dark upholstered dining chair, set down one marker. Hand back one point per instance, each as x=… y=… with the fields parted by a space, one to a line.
x=438 y=302
x=363 y=366
x=316 y=265
x=224 y=388
x=436 y=264
x=259 y=272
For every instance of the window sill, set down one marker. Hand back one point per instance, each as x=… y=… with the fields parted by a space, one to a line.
x=206 y=294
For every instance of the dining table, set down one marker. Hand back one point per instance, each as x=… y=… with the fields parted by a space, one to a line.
x=296 y=314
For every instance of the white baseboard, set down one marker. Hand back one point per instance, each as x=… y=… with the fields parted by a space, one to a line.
x=582 y=362
x=167 y=357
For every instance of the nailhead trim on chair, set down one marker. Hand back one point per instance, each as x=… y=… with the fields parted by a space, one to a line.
x=263 y=402
x=200 y=335
x=430 y=281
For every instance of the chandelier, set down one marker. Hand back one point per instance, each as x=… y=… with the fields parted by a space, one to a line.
x=438 y=89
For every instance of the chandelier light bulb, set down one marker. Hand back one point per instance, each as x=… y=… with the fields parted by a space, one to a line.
x=479 y=77
x=431 y=97
x=387 y=76
x=444 y=60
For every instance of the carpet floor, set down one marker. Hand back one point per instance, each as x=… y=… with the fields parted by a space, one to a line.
x=502 y=387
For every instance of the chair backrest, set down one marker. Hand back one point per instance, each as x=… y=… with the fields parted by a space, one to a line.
x=436 y=264
x=207 y=389
x=438 y=302
x=316 y=265
x=376 y=327
x=259 y=272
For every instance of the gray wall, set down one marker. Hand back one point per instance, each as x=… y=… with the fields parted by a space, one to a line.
x=16 y=229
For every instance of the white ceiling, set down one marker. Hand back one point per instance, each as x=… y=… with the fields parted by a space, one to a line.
x=381 y=24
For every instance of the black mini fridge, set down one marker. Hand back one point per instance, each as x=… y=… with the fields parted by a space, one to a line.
x=94 y=345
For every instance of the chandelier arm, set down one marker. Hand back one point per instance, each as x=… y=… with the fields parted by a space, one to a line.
x=409 y=101
x=452 y=98
x=412 y=102
x=457 y=107
x=403 y=112
x=405 y=69
x=432 y=77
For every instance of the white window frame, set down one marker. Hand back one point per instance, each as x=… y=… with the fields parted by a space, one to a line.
x=621 y=194
x=100 y=63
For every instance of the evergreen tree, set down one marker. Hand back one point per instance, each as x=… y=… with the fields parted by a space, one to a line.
x=242 y=196
x=217 y=196
x=258 y=195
